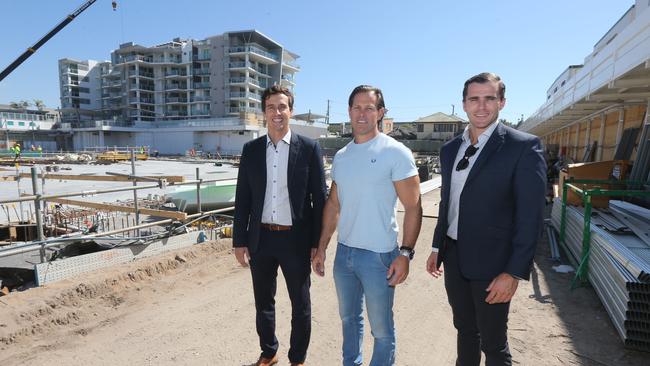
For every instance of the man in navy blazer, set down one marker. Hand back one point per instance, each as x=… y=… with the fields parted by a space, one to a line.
x=491 y=212
x=278 y=211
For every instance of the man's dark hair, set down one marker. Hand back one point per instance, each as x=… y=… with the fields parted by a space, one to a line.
x=365 y=89
x=485 y=77
x=276 y=89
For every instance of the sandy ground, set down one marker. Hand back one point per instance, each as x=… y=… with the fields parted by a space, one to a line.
x=195 y=307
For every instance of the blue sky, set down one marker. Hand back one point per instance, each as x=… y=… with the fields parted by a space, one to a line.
x=419 y=52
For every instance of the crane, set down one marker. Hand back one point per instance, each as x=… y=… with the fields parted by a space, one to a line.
x=30 y=51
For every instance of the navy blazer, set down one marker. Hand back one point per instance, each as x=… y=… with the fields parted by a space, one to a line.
x=307 y=191
x=501 y=206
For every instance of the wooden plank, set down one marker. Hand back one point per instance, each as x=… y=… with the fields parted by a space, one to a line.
x=110 y=207
x=105 y=178
x=7 y=178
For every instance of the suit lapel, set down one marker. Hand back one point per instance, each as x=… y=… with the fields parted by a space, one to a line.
x=294 y=148
x=493 y=144
x=450 y=158
x=261 y=164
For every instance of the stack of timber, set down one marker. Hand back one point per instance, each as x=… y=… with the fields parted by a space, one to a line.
x=618 y=264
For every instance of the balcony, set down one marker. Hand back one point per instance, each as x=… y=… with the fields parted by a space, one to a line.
x=200 y=99
x=202 y=71
x=114 y=84
x=142 y=101
x=201 y=57
x=182 y=73
x=254 y=50
x=142 y=87
x=291 y=66
x=175 y=87
x=134 y=58
x=200 y=112
x=141 y=74
x=243 y=109
x=242 y=80
x=176 y=114
x=244 y=95
x=201 y=85
x=174 y=100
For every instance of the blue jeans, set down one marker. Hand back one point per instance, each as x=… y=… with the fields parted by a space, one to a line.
x=360 y=273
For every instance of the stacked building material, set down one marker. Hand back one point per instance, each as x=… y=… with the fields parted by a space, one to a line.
x=618 y=267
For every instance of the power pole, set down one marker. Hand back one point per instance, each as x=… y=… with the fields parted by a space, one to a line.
x=327 y=115
x=453 y=108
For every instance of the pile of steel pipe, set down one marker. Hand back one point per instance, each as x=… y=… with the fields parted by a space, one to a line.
x=618 y=269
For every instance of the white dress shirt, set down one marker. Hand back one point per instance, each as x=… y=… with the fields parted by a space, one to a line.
x=277 y=208
x=458 y=178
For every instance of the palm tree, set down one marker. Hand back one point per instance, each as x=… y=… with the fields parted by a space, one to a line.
x=39 y=104
x=24 y=104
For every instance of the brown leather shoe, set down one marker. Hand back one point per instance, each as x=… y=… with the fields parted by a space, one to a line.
x=263 y=361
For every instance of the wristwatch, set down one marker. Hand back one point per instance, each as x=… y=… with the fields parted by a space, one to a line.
x=408 y=252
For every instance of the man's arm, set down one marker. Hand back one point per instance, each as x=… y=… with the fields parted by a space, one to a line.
x=242 y=212
x=318 y=190
x=529 y=190
x=330 y=219
x=408 y=192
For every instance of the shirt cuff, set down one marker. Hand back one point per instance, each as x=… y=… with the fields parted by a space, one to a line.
x=435 y=250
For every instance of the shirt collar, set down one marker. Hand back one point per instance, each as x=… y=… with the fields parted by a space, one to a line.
x=286 y=138
x=482 y=139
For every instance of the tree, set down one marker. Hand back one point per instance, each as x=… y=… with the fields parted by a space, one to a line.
x=39 y=104
x=24 y=104
x=14 y=105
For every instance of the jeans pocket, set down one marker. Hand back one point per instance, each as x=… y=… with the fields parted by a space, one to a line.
x=388 y=257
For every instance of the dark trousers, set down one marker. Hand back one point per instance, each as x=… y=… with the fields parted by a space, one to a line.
x=280 y=249
x=480 y=326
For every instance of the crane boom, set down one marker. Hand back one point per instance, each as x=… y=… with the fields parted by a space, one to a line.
x=45 y=38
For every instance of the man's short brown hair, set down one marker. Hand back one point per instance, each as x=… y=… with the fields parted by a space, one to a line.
x=485 y=77
x=276 y=89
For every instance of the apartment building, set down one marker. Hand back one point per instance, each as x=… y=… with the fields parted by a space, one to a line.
x=79 y=85
x=220 y=76
x=179 y=95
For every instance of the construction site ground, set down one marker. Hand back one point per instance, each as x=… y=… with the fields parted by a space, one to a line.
x=195 y=307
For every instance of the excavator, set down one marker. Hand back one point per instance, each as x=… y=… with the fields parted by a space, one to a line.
x=31 y=50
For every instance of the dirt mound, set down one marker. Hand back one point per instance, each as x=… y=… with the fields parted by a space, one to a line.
x=79 y=301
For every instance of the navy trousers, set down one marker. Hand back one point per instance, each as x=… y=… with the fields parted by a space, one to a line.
x=280 y=249
x=480 y=326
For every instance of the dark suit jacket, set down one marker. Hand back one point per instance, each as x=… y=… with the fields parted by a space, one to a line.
x=307 y=190
x=501 y=205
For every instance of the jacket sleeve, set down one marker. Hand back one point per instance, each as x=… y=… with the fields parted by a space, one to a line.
x=242 y=202
x=529 y=190
x=318 y=191
x=441 y=225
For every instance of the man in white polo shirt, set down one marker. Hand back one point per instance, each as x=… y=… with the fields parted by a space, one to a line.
x=368 y=175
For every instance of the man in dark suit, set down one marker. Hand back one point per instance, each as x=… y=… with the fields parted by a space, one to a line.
x=491 y=211
x=278 y=210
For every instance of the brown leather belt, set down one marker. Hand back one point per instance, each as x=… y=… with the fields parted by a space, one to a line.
x=276 y=227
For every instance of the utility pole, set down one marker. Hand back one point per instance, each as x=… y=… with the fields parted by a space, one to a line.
x=453 y=109
x=327 y=115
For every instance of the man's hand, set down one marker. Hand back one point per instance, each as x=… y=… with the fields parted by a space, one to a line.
x=501 y=289
x=318 y=261
x=242 y=256
x=398 y=271
x=432 y=267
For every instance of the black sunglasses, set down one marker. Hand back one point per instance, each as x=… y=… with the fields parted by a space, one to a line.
x=464 y=162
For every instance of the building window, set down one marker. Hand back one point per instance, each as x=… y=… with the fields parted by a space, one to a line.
x=10 y=123
x=420 y=127
x=21 y=124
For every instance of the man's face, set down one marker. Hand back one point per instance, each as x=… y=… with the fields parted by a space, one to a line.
x=277 y=114
x=364 y=114
x=482 y=104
